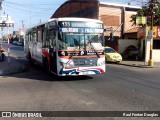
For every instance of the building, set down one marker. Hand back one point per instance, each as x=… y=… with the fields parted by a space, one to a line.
x=78 y=8
x=115 y=16
x=145 y=42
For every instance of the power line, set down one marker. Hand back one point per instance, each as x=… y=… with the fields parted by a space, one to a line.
x=24 y=4
x=22 y=24
x=25 y=10
x=34 y=7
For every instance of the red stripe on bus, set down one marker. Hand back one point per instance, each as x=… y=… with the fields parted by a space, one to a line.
x=46 y=54
x=93 y=56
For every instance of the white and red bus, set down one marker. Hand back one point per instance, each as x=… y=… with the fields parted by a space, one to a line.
x=67 y=46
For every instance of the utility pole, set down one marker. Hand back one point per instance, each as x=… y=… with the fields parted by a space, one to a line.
x=1 y=36
x=22 y=24
x=152 y=5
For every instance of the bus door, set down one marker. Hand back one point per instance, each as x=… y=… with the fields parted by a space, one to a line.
x=37 y=37
x=34 y=45
x=39 y=45
x=52 y=50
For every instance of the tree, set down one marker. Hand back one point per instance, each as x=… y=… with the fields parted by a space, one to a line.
x=152 y=7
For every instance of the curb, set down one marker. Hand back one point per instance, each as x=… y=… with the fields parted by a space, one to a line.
x=134 y=65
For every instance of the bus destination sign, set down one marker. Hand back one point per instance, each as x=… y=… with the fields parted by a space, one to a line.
x=78 y=24
x=82 y=30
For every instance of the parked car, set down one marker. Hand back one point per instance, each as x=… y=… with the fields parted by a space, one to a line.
x=131 y=53
x=111 y=55
x=14 y=42
x=19 y=43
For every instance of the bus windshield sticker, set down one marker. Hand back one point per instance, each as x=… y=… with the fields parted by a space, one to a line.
x=81 y=30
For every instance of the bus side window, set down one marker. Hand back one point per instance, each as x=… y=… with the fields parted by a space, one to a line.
x=44 y=38
x=46 y=42
x=29 y=36
x=34 y=36
x=39 y=36
x=42 y=35
x=52 y=38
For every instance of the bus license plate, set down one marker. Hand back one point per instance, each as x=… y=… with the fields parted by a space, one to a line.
x=87 y=73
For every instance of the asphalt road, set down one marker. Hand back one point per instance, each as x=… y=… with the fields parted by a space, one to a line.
x=121 y=88
x=15 y=50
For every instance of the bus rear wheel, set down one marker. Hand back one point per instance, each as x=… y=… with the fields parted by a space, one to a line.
x=31 y=61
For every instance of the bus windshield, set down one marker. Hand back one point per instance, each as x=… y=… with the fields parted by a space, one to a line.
x=79 y=41
x=80 y=35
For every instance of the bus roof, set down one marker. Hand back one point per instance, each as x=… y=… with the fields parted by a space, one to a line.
x=75 y=19
x=67 y=19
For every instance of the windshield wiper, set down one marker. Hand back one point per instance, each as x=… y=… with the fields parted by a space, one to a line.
x=75 y=44
x=94 y=49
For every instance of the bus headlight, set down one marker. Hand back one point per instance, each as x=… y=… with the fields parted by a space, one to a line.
x=68 y=65
x=101 y=63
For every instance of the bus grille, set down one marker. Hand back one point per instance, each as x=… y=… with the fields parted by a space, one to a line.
x=78 y=62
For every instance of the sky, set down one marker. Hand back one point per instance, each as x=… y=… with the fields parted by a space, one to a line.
x=31 y=12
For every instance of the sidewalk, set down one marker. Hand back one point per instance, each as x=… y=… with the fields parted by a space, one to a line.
x=13 y=67
x=140 y=64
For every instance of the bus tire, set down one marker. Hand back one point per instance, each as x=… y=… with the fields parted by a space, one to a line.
x=31 y=61
x=46 y=67
x=3 y=56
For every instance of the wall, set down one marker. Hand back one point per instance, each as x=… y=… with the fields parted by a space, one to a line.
x=155 y=53
x=128 y=24
x=111 y=14
x=124 y=43
x=111 y=17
